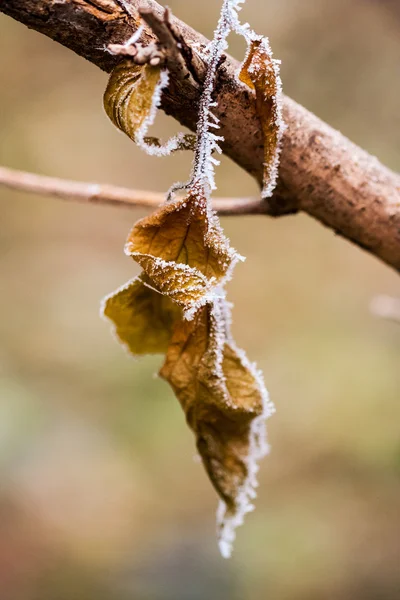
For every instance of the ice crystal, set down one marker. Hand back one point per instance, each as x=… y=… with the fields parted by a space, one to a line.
x=176 y=142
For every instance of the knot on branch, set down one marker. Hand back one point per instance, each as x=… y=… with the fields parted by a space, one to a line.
x=152 y=54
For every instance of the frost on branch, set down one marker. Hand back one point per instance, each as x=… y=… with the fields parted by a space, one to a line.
x=177 y=306
x=207 y=141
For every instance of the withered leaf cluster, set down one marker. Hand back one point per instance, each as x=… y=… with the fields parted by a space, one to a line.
x=177 y=307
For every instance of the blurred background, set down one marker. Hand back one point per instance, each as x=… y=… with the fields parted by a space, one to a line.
x=100 y=495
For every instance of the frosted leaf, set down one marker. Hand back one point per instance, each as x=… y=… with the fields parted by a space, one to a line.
x=183 y=251
x=208 y=142
x=261 y=73
x=131 y=100
x=142 y=318
x=226 y=404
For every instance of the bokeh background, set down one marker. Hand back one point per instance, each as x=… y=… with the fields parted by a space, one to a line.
x=100 y=494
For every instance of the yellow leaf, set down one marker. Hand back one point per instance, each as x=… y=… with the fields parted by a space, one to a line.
x=183 y=251
x=261 y=73
x=128 y=98
x=222 y=397
x=131 y=99
x=143 y=319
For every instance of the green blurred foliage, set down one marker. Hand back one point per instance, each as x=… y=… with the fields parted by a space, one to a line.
x=99 y=494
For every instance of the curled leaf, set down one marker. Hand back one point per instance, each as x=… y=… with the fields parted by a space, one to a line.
x=143 y=319
x=131 y=100
x=128 y=98
x=225 y=403
x=261 y=73
x=183 y=251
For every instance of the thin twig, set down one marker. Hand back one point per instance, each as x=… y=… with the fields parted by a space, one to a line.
x=94 y=193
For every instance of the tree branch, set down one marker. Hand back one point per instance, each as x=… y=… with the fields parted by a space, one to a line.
x=94 y=193
x=322 y=173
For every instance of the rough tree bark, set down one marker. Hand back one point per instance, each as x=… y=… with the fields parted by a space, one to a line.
x=321 y=173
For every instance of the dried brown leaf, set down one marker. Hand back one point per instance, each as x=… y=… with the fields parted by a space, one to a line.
x=261 y=73
x=143 y=319
x=222 y=396
x=128 y=98
x=130 y=101
x=183 y=251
